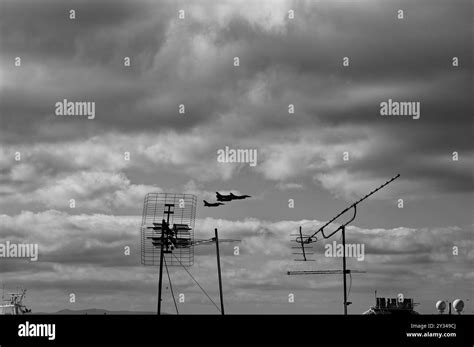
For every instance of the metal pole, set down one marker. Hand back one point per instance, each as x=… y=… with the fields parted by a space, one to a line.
x=219 y=271
x=344 y=266
x=160 y=281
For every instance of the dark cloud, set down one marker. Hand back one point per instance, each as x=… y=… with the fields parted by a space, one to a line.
x=44 y=30
x=309 y=53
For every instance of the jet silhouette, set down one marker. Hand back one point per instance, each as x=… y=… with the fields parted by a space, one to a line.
x=215 y=204
x=230 y=197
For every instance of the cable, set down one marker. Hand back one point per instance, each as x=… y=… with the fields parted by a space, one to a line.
x=197 y=283
x=171 y=286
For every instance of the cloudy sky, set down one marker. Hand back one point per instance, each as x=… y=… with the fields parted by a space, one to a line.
x=283 y=61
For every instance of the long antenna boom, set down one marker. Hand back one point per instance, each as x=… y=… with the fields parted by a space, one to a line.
x=376 y=189
x=309 y=239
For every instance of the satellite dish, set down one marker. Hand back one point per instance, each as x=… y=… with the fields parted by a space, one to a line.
x=458 y=305
x=441 y=306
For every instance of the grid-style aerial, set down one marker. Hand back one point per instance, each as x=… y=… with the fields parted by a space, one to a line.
x=182 y=220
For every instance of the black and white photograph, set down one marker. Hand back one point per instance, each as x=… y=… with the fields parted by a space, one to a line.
x=261 y=160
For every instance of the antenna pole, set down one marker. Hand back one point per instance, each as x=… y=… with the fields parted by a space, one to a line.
x=160 y=281
x=219 y=271
x=164 y=225
x=344 y=267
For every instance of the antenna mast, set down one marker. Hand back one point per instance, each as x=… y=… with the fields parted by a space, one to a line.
x=303 y=240
x=167 y=238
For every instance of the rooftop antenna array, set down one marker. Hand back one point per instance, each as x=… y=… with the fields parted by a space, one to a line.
x=304 y=242
x=178 y=212
x=14 y=304
x=167 y=238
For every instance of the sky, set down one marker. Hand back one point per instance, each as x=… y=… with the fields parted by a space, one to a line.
x=190 y=61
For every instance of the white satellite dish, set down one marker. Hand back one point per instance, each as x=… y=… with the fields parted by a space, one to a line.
x=441 y=306
x=458 y=305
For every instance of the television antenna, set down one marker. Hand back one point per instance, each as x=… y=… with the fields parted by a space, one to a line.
x=304 y=242
x=167 y=238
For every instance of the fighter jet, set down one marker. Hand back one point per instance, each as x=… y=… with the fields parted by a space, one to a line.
x=215 y=204
x=221 y=197
x=230 y=197
x=239 y=197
